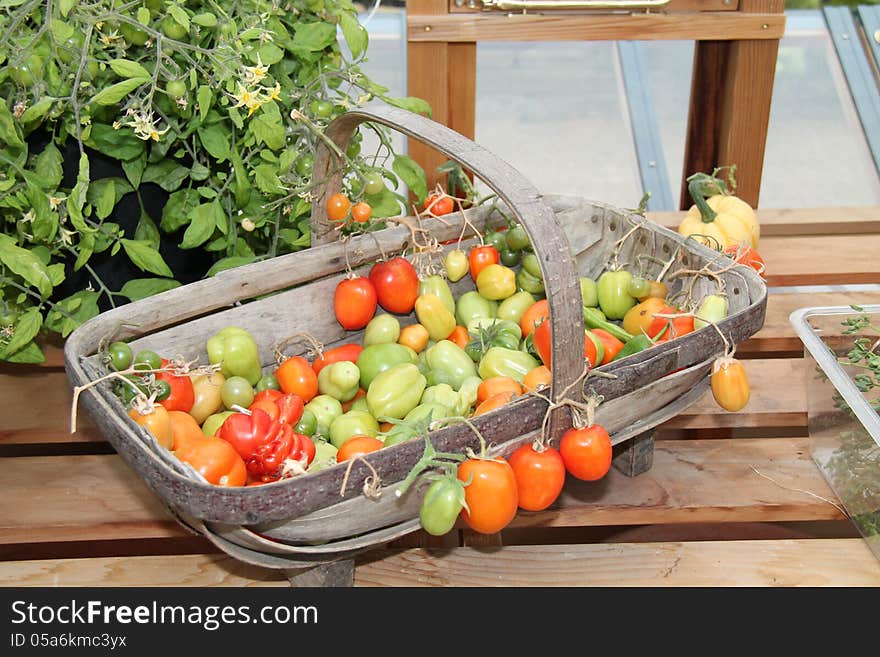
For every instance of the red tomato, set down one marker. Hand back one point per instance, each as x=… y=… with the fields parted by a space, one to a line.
x=355 y=302
x=481 y=257
x=541 y=340
x=344 y=352
x=338 y=206
x=216 y=460
x=182 y=395
x=677 y=326
x=397 y=285
x=296 y=375
x=540 y=476
x=746 y=255
x=438 y=204
x=586 y=452
x=491 y=494
x=612 y=345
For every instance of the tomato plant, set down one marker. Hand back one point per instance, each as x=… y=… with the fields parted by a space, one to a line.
x=354 y=302
x=540 y=475
x=396 y=283
x=586 y=452
x=490 y=492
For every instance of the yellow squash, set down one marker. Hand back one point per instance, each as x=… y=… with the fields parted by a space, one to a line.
x=723 y=218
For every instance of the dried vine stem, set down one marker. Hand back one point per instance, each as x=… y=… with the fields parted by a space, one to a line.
x=372 y=488
x=316 y=351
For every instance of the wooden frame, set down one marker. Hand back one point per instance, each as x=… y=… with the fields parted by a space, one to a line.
x=731 y=87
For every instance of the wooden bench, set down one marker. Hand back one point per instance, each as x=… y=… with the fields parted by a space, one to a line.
x=731 y=499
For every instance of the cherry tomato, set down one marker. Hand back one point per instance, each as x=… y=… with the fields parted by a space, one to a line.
x=236 y=391
x=540 y=475
x=730 y=384
x=354 y=302
x=586 y=452
x=373 y=183
x=491 y=494
x=296 y=375
x=414 y=336
x=338 y=206
x=441 y=506
x=361 y=212
x=356 y=446
x=120 y=355
x=396 y=283
x=480 y=257
x=438 y=204
x=746 y=255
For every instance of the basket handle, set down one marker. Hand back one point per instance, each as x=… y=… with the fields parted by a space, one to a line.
x=537 y=218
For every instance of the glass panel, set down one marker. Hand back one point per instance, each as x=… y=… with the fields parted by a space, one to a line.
x=556 y=112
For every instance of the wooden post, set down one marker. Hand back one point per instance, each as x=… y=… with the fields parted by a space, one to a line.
x=443 y=74
x=636 y=455
x=729 y=113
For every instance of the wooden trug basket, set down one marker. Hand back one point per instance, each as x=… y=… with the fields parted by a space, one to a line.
x=307 y=521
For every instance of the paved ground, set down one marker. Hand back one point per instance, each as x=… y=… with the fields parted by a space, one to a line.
x=558 y=113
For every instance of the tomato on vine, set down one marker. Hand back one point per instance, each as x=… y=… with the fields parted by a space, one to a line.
x=586 y=452
x=361 y=212
x=730 y=384
x=540 y=475
x=490 y=492
x=338 y=206
x=437 y=204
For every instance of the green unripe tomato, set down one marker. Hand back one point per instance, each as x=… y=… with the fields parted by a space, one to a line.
x=396 y=391
x=237 y=391
x=321 y=109
x=589 y=292
x=509 y=257
x=267 y=382
x=373 y=183
x=175 y=88
x=441 y=506
x=120 y=355
x=517 y=239
x=472 y=305
x=496 y=282
x=513 y=307
x=456 y=265
x=325 y=456
x=325 y=409
x=307 y=425
x=495 y=238
x=352 y=423
x=305 y=164
x=147 y=360
x=134 y=35
x=381 y=329
x=340 y=380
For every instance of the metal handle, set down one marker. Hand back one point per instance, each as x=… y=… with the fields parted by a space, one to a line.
x=506 y=5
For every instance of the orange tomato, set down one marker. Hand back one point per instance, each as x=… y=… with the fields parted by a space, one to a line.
x=541 y=340
x=540 y=476
x=296 y=374
x=460 y=336
x=361 y=212
x=495 y=401
x=533 y=316
x=268 y=405
x=586 y=452
x=612 y=345
x=356 y=446
x=185 y=429
x=638 y=319
x=338 y=206
x=216 y=460
x=155 y=420
x=414 y=336
x=730 y=384
x=497 y=384
x=491 y=495
x=677 y=325
x=536 y=378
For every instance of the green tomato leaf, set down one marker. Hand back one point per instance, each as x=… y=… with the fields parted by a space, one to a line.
x=116 y=92
x=270 y=53
x=8 y=128
x=77 y=198
x=417 y=105
x=310 y=39
x=66 y=6
x=384 y=204
x=85 y=247
x=143 y=16
x=268 y=128
x=145 y=257
x=49 y=167
x=203 y=220
x=126 y=68
x=215 y=140
x=120 y=144
x=179 y=15
x=134 y=169
x=412 y=175
x=199 y=172
x=69 y=313
x=206 y=19
x=176 y=211
x=61 y=31
x=266 y=179
x=141 y=288
x=45 y=222
x=229 y=263
x=37 y=111
x=147 y=231
x=26 y=328
x=30 y=353
x=356 y=35
x=26 y=264
x=168 y=174
x=204 y=97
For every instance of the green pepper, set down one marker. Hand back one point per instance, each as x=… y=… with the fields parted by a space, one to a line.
x=442 y=394
x=450 y=359
x=236 y=350
x=434 y=316
x=614 y=299
x=589 y=292
x=325 y=409
x=488 y=333
x=471 y=305
x=528 y=282
x=377 y=358
x=340 y=380
x=633 y=346
x=437 y=285
x=593 y=319
x=713 y=309
x=396 y=391
x=500 y=361
x=513 y=307
x=381 y=329
x=352 y=423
